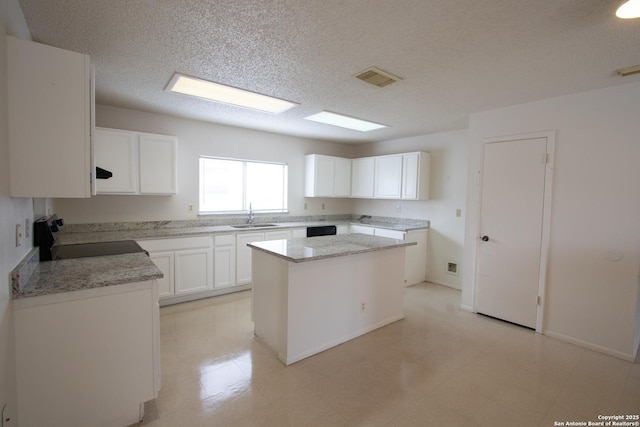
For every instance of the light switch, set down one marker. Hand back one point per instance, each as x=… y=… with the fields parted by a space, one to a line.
x=18 y=235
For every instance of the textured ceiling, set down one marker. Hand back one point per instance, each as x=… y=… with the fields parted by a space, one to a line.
x=455 y=57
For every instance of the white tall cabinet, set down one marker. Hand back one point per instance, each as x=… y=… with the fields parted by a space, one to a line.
x=50 y=94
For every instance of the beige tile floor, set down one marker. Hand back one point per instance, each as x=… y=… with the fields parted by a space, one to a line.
x=440 y=366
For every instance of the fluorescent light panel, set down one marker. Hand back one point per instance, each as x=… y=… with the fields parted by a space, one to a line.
x=629 y=10
x=217 y=92
x=344 y=121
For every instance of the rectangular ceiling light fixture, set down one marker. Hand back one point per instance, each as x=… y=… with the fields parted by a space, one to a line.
x=628 y=71
x=217 y=92
x=342 y=121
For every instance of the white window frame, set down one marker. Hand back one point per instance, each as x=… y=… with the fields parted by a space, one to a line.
x=245 y=201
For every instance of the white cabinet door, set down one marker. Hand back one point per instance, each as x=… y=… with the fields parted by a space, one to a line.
x=164 y=261
x=158 y=162
x=388 y=177
x=362 y=177
x=415 y=176
x=116 y=151
x=49 y=121
x=224 y=257
x=327 y=176
x=243 y=255
x=193 y=270
x=342 y=177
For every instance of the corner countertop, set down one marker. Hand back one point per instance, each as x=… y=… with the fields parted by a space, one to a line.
x=33 y=278
x=323 y=247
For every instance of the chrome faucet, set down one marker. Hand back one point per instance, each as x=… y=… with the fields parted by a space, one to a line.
x=250 y=218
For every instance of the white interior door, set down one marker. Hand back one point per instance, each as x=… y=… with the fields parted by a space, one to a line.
x=511 y=224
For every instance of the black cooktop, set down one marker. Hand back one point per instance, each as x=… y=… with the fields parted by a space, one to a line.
x=84 y=250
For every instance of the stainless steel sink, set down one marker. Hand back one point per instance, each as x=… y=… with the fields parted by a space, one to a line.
x=254 y=225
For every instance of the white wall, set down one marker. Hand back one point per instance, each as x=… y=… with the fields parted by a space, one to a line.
x=12 y=211
x=595 y=209
x=447 y=194
x=197 y=138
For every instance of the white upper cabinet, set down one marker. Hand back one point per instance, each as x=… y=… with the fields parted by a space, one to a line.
x=158 y=164
x=141 y=163
x=388 y=177
x=397 y=176
x=117 y=152
x=327 y=176
x=362 y=172
x=50 y=102
x=415 y=176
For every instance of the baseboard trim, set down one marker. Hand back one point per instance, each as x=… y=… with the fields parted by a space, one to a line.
x=445 y=284
x=466 y=308
x=590 y=346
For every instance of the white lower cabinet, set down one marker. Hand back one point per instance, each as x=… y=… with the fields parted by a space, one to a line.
x=243 y=255
x=416 y=257
x=165 y=262
x=192 y=268
x=224 y=258
x=243 y=252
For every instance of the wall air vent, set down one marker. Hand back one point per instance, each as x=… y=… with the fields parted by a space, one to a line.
x=377 y=77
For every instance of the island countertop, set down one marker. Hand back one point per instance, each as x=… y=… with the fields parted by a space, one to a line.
x=322 y=247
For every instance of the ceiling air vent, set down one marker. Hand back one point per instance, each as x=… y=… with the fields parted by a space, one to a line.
x=377 y=77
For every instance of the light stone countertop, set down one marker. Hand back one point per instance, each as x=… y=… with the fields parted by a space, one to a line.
x=52 y=277
x=323 y=247
x=65 y=238
x=34 y=278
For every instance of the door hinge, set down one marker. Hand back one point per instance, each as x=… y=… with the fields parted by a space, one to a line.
x=547 y=158
x=539 y=300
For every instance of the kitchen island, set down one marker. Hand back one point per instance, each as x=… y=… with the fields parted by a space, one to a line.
x=311 y=294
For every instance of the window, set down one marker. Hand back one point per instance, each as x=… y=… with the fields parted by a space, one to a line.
x=231 y=185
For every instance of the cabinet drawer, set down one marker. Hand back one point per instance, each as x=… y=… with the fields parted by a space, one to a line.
x=225 y=240
x=176 y=243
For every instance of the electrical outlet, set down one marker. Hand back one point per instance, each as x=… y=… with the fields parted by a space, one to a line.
x=458 y=213
x=323 y=206
x=398 y=208
x=27 y=228
x=362 y=307
x=305 y=206
x=190 y=208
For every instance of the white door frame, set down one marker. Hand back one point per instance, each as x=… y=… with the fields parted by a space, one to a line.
x=546 y=216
